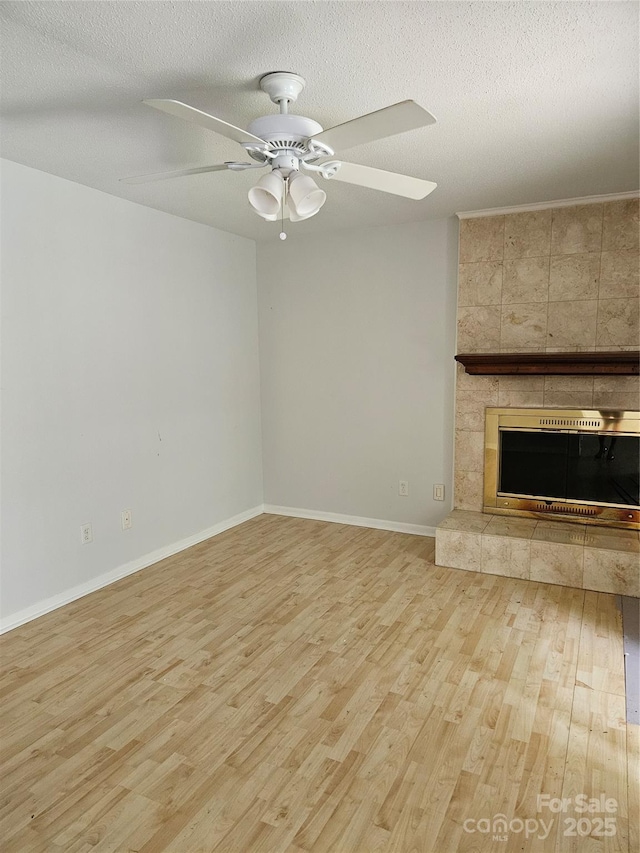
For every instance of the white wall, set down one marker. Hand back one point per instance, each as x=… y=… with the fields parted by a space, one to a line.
x=357 y=337
x=130 y=380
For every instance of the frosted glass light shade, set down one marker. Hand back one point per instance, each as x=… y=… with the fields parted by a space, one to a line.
x=305 y=196
x=265 y=198
x=293 y=216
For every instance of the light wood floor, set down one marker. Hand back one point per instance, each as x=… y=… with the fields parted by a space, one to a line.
x=293 y=685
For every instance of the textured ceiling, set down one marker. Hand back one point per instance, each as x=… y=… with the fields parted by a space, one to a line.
x=535 y=101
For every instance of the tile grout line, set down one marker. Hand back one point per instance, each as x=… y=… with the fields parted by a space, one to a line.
x=546 y=336
x=595 y=339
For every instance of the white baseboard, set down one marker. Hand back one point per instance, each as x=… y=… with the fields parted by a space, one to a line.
x=49 y=604
x=355 y=520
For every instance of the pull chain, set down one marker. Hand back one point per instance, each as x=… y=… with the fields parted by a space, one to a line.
x=283 y=235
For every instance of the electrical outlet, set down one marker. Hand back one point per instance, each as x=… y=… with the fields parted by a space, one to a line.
x=86 y=534
x=438 y=491
x=125 y=517
x=403 y=488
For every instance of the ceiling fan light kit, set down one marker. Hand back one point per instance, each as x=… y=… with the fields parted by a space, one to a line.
x=294 y=217
x=305 y=195
x=292 y=144
x=265 y=197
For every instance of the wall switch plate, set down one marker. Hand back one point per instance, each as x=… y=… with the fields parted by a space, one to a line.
x=86 y=534
x=125 y=517
x=403 y=488
x=438 y=491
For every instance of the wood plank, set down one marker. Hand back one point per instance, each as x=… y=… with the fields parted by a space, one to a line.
x=299 y=686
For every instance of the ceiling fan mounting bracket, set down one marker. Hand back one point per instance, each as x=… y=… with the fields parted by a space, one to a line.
x=282 y=86
x=319 y=149
x=260 y=153
x=327 y=170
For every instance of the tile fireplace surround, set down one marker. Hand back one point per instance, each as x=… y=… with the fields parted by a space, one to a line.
x=559 y=280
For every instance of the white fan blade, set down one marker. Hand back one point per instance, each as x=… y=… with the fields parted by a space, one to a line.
x=177 y=108
x=398 y=118
x=161 y=176
x=387 y=182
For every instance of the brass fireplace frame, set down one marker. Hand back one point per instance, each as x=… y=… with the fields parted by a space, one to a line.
x=600 y=421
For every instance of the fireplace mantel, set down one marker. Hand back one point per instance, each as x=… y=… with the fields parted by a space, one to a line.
x=619 y=363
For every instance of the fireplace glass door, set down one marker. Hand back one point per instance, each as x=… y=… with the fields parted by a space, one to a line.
x=599 y=469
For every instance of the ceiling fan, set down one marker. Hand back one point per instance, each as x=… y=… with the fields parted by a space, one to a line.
x=291 y=145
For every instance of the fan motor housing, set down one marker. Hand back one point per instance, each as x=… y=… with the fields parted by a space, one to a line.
x=285 y=132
